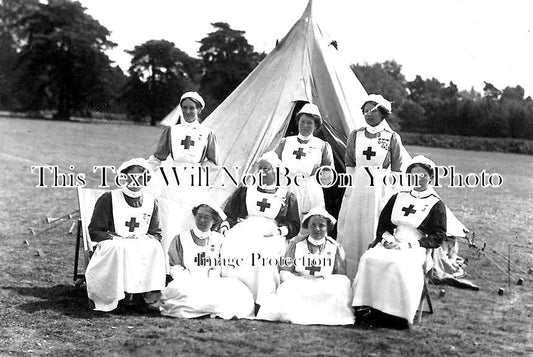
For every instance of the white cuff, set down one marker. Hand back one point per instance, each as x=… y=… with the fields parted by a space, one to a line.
x=386 y=236
x=283 y=231
x=154 y=162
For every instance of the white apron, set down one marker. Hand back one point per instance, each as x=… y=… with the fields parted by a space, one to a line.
x=258 y=255
x=359 y=213
x=304 y=159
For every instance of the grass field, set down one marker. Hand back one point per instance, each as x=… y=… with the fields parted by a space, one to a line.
x=42 y=313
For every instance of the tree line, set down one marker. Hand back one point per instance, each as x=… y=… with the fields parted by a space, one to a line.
x=429 y=106
x=52 y=58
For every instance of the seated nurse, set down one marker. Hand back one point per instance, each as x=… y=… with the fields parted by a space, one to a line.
x=129 y=259
x=390 y=276
x=197 y=289
x=262 y=217
x=314 y=287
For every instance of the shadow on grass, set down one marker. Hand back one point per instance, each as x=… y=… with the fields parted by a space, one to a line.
x=64 y=299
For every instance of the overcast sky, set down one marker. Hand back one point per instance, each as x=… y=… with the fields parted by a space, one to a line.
x=464 y=41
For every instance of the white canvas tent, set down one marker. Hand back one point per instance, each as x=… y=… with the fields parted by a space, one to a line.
x=304 y=66
x=173 y=117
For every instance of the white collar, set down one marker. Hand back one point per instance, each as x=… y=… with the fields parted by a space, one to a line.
x=376 y=129
x=130 y=193
x=201 y=235
x=316 y=243
x=192 y=125
x=268 y=187
x=423 y=194
x=305 y=138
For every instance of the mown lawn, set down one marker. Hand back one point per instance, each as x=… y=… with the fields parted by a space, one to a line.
x=42 y=313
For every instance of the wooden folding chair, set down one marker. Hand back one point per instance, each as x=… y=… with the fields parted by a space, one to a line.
x=425 y=297
x=86 y=200
x=428 y=264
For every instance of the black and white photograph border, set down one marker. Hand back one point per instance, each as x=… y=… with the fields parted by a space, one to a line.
x=457 y=78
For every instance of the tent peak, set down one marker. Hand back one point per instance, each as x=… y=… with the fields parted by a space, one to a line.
x=308 y=12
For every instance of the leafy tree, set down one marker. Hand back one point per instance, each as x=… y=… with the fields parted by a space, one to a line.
x=469 y=112
x=490 y=91
x=421 y=90
x=493 y=122
x=509 y=93
x=8 y=74
x=412 y=116
x=228 y=58
x=159 y=73
x=440 y=103
x=383 y=78
x=518 y=114
x=471 y=94
x=107 y=94
x=62 y=59
x=11 y=11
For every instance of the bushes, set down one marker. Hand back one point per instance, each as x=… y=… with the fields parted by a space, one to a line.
x=517 y=146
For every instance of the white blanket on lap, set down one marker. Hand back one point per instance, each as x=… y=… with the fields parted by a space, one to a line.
x=190 y=296
x=124 y=265
x=390 y=281
x=303 y=301
x=258 y=255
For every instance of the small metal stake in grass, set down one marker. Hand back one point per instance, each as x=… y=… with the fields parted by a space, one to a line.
x=72 y=228
x=442 y=292
x=520 y=281
x=51 y=219
x=501 y=291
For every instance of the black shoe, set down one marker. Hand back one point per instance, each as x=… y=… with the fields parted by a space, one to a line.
x=142 y=307
x=146 y=309
x=120 y=309
x=381 y=319
x=129 y=300
x=363 y=316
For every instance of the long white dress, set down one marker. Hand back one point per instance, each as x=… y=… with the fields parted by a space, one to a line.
x=259 y=213
x=303 y=158
x=300 y=300
x=197 y=289
x=122 y=265
x=392 y=280
x=373 y=156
